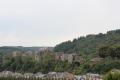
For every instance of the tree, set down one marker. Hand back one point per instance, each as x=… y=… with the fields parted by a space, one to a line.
x=112 y=75
x=89 y=44
x=104 y=51
x=112 y=51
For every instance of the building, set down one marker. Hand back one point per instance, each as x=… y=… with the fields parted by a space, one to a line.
x=91 y=76
x=60 y=56
x=16 y=53
x=71 y=58
x=41 y=54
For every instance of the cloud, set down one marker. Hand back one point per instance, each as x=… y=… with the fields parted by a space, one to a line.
x=49 y=22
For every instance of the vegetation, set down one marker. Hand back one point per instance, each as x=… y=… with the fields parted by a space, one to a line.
x=113 y=75
x=105 y=66
x=106 y=46
x=29 y=64
x=10 y=49
x=112 y=51
x=89 y=44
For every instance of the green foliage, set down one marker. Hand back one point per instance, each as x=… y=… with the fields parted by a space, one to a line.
x=112 y=51
x=87 y=46
x=90 y=43
x=105 y=66
x=10 y=49
x=62 y=66
x=113 y=75
x=28 y=64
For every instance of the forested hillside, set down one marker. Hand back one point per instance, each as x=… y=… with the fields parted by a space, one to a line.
x=90 y=43
x=10 y=49
x=106 y=46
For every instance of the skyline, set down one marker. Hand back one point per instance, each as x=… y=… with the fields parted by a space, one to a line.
x=54 y=45
x=50 y=22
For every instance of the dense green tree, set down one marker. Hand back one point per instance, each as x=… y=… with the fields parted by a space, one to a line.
x=89 y=44
x=112 y=51
x=105 y=66
x=103 y=51
x=112 y=75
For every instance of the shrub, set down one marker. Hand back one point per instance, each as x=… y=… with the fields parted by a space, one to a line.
x=112 y=75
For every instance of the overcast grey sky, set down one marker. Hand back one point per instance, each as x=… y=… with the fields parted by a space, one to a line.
x=49 y=22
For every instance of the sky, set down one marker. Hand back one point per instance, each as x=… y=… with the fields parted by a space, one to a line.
x=50 y=22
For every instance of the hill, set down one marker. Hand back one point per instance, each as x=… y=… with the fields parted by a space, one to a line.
x=90 y=43
x=9 y=49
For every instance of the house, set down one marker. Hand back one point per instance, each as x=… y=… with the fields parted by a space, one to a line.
x=70 y=58
x=16 y=53
x=62 y=75
x=91 y=76
x=38 y=56
x=79 y=77
x=60 y=56
x=39 y=75
x=75 y=58
x=28 y=75
x=17 y=75
x=6 y=74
